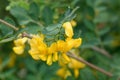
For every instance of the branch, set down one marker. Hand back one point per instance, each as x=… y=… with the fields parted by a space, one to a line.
x=102 y=51
x=89 y=64
x=8 y=24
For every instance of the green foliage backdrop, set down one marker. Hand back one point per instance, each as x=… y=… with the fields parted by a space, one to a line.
x=98 y=24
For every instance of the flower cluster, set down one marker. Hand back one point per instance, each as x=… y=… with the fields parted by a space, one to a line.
x=39 y=50
x=65 y=68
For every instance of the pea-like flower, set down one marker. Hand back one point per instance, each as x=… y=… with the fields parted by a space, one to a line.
x=68 y=29
x=40 y=51
x=63 y=72
x=76 y=65
x=19 y=45
x=38 y=48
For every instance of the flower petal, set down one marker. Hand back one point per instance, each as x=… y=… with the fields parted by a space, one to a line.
x=55 y=56
x=68 y=29
x=18 y=50
x=65 y=57
x=49 y=59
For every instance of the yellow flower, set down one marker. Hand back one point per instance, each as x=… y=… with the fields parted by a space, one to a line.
x=55 y=56
x=73 y=43
x=42 y=57
x=49 y=59
x=52 y=48
x=65 y=57
x=61 y=46
x=63 y=72
x=76 y=65
x=39 y=50
x=76 y=73
x=38 y=47
x=73 y=23
x=65 y=46
x=19 y=45
x=68 y=29
x=52 y=53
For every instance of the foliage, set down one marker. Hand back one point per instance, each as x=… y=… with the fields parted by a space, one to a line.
x=97 y=24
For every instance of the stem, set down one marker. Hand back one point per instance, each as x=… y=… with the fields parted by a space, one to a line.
x=89 y=64
x=8 y=24
x=102 y=51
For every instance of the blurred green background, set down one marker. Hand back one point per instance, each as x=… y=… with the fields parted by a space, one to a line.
x=98 y=24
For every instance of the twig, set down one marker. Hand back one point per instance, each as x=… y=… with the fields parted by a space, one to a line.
x=89 y=64
x=102 y=51
x=24 y=34
x=8 y=24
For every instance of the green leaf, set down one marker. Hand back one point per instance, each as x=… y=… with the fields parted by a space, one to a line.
x=34 y=11
x=104 y=30
x=32 y=28
x=47 y=15
x=7 y=40
x=86 y=74
x=13 y=36
x=70 y=78
x=67 y=12
x=51 y=32
x=53 y=27
x=102 y=17
x=21 y=15
x=90 y=3
x=54 y=32
x=89 y=25
x=89 y=39
x=31 y=65
x=67 y=16
x=4 y=63
x=90 y=11
x=101 y=76
x=7 y=73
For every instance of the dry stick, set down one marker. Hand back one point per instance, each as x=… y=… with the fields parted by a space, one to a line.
x=102 y=51
x=89 y=64
x=8 y=24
